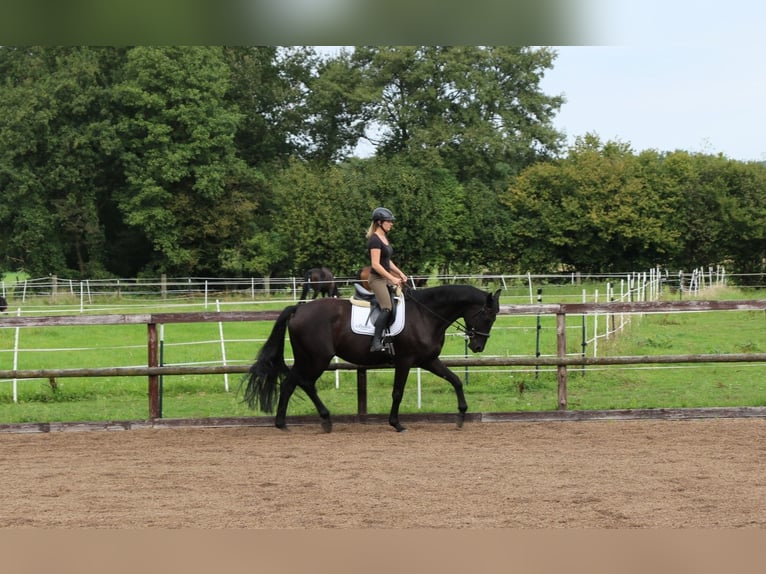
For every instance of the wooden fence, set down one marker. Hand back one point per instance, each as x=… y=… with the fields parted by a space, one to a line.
x=153 y=371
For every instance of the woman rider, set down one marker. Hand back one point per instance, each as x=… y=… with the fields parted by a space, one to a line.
x=384 y=272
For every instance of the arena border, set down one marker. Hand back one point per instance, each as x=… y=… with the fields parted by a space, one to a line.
x=154 y=371
x=670 y=414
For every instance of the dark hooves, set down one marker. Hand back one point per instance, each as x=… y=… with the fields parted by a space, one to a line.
x=327 y=425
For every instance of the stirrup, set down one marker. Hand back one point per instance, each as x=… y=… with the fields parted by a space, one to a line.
x=377 y=349
x=386 y=346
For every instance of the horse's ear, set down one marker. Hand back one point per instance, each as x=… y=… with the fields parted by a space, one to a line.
x=493 y=300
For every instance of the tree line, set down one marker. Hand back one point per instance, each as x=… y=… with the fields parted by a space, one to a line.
x=240 y=161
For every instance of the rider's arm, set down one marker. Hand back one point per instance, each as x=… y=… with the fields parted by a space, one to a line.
x=398 y=273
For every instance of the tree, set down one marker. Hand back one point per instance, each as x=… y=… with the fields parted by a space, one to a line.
x=429 y=205
x=185 y=188
x=743 y=240
x=266 y=89
x=480 y=109
x=320 y=215
x=55 y=143
x=319 y=219
x=334 y=109
x=591 y=211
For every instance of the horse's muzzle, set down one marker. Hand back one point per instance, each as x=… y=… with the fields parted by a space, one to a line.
x=477 y=344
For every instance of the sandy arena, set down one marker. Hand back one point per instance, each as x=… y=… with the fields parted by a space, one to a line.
x=593 y=474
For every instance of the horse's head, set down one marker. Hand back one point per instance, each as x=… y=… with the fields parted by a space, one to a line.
x=479 y=323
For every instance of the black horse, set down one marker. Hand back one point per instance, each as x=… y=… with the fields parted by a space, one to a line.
x=3 y=304
x=320 y=330
x=321 y=280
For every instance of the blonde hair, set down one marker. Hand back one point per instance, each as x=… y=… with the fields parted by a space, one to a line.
x=371 y=230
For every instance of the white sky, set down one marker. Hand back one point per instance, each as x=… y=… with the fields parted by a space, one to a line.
x=674 y=74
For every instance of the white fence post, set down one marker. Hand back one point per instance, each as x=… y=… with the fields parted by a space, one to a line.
x=16 y=359
x=223 y=346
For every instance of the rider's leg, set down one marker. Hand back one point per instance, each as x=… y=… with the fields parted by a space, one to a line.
x=379 y=286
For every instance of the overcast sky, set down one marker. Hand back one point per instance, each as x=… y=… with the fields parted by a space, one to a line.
x=676 y=74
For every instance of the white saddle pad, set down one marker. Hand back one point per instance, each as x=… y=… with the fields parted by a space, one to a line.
x=362 y=326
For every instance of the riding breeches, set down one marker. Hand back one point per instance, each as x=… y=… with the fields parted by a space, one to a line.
x=379 y=286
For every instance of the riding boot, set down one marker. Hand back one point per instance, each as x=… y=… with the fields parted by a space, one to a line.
x=380 y=323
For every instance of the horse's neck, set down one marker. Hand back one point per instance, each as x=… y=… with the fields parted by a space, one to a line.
x=448 y=307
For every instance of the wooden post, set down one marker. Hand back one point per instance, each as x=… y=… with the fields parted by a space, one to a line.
x=154 y=380
x=361 y=392
x=561 y=350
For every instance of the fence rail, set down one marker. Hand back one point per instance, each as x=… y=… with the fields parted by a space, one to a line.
x=54 y=288
x=153 y=371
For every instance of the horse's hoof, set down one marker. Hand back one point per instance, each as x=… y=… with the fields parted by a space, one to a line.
x=327 y=425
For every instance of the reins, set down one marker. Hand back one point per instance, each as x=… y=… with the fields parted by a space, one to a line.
x=470 y=333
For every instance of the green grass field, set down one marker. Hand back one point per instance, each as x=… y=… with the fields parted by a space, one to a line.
x=487 y=389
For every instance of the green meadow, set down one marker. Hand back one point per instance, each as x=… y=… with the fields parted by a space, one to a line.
x=487 y=389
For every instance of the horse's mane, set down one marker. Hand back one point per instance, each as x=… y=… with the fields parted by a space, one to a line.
x=448 y=294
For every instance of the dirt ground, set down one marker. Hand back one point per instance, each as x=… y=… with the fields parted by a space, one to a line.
x=615 y=474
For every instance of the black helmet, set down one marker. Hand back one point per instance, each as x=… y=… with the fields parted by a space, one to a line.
x=382 y=214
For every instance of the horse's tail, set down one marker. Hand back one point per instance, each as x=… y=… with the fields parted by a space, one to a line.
x=269 y=370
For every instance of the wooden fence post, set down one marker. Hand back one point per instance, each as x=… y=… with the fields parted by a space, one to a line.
x=361 y=392
x=154 y=380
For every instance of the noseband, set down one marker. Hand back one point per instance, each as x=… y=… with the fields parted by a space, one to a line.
x=471 y=332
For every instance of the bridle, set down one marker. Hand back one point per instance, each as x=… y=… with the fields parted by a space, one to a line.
x=470 y=332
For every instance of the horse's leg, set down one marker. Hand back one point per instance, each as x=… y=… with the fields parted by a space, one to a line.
x=309 y=387
x=400 y=380
x=286 y=390
x=440 y=369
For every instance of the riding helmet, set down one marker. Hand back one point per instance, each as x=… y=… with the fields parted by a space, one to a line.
x=382 y=214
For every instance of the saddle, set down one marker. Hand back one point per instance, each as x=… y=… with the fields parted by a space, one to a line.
x=365 y=309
